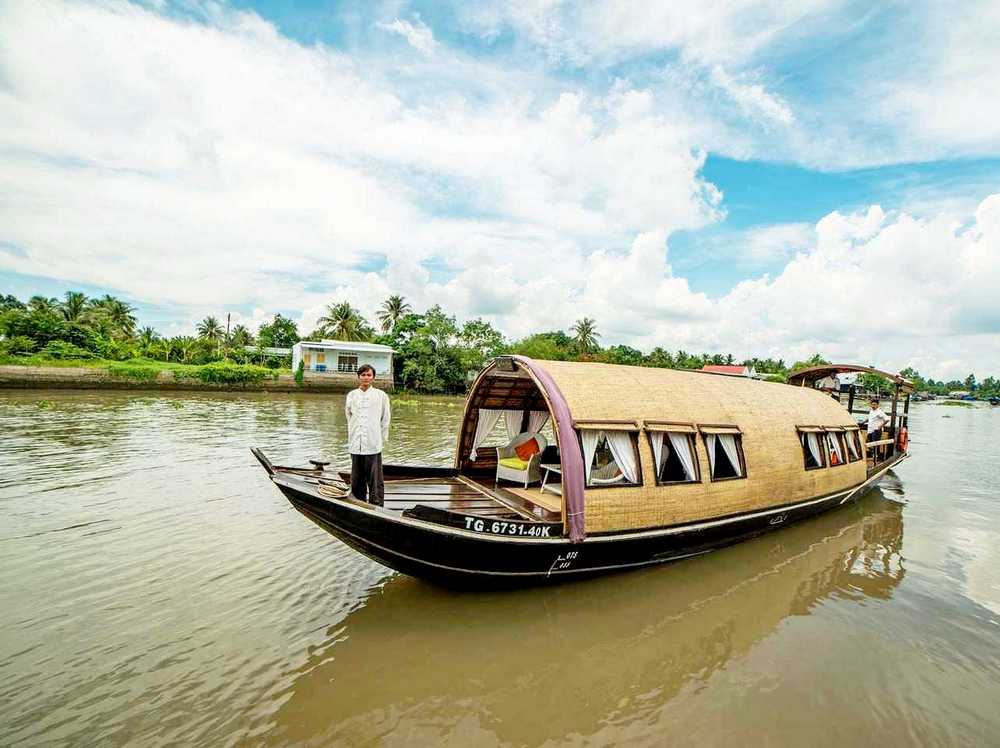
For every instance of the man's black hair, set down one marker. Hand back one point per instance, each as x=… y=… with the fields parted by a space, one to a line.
x=366 y=367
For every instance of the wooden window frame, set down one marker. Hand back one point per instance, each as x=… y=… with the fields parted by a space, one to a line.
x=638 y=463
x=799 y=433
x=739 y=453
x=693 y=442
x=843 y=449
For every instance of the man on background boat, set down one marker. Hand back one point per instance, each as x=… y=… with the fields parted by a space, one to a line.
x=368 y=418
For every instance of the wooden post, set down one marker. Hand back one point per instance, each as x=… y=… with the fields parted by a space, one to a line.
x=892 y=422
x=850 y=399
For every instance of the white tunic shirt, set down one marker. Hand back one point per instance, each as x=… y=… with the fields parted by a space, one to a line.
x=876 y=420
x=367 y=421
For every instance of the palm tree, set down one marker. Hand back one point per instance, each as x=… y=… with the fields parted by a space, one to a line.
x=344 y=322
x=147 y=336
x=74 y=305
x=43 y=304
x=392 y=310
x=585 y=334
x=119 y=316
x=183 y=344
x=210 y=329
x=240 y=337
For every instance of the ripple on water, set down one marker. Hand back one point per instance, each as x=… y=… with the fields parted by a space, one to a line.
x=156 y=589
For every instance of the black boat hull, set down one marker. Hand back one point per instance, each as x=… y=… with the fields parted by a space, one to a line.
x=477 y=553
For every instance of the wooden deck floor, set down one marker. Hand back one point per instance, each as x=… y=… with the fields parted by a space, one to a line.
x=468 y=496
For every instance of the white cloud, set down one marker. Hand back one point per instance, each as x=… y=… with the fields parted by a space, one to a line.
x=419 y=35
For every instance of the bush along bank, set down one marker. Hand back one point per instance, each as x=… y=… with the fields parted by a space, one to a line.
x=38 y=372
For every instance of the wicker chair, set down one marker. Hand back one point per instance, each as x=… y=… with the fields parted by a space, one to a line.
x=530 y=472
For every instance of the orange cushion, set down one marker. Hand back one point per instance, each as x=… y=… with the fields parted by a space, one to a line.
x=524 y=451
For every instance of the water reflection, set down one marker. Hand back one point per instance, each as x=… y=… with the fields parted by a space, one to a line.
x=423 y=664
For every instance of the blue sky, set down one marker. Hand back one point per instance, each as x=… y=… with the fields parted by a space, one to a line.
x=700 y=176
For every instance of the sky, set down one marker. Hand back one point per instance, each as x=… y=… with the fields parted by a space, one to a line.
x=753 y=177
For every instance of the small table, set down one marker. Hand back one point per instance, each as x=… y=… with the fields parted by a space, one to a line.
x=549 y=470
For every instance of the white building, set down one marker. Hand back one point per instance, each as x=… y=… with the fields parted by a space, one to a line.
x=333 y=357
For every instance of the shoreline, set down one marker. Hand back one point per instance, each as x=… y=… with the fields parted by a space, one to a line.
x=94 y=378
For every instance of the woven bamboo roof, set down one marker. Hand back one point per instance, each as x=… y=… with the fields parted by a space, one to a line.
x=610 y=392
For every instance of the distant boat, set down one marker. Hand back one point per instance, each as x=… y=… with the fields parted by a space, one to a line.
x=650 y=466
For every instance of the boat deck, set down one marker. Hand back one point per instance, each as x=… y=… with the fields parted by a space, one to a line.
x=468 y=495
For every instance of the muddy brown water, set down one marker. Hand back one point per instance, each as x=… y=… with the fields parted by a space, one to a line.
x=155 y=589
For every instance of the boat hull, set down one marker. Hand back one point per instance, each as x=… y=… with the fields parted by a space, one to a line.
x=473 y=552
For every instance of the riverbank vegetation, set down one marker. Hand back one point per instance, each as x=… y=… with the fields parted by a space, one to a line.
x=435 y=353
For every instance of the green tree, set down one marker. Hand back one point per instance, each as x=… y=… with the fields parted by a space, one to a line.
x=278 y=333
x=209 y=329
x=74 y=304
x=970 y=383
x=392 y=311
x=147 y=337
x=585 y=334
x=343 y=322
x=660 y=358
x=111 y=317
x=240 y=337
x=479 y=341
x=44 y=304
x=814 y=360
x=9 y=302
x=545 y=346
x=624 y=355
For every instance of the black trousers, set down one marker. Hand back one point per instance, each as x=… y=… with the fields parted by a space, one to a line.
x=366 y=478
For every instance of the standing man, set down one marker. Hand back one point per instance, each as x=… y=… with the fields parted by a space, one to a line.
x=368 y=417
x=877 y=419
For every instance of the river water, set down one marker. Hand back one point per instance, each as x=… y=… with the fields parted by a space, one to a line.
x=156 y=589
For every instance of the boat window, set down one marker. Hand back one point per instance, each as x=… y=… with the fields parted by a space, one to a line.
x=611 y=457
x=725 y=456
x=812 y=450
x=853 y=446
x=836 y=448
x=675 y=457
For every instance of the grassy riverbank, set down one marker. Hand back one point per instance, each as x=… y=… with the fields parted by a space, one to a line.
x=147 y=370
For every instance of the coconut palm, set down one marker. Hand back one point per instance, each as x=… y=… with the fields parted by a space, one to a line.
x=210 y=329
x=392 y=310
x=585 y=334
x=147 y=336
x=74 y=305
x=183 y=345
x=240 y=337
x=344 y=322
x=44 y=304
x=119 y=316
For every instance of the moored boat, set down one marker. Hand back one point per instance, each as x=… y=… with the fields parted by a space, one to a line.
x=607 y=468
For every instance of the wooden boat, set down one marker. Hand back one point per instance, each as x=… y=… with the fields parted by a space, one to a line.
x=698 y=461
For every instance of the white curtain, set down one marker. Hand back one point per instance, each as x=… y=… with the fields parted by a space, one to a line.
x=813 y=443
x=710 y=446
x=682 y=446
x=484 y=426
x=834 y=447
x=656 y=439
x=589 y=438
x=623 y=451
x=513 y=419
x=728 y=442
x=852 y=444
x=536 y=420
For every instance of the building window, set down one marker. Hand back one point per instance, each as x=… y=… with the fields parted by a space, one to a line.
x=675 y=457
x=347 y=363
x=320 y=357
x=611 y=457
x=307 y=359
x=725 y=453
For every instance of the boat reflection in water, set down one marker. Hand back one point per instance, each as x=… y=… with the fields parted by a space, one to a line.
x=426 y=664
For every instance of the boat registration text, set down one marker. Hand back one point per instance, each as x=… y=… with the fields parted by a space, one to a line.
x=506 y=527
